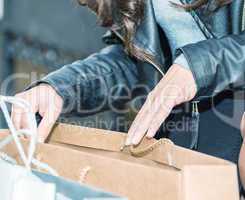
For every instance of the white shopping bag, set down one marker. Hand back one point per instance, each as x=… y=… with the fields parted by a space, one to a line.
x=16 y=182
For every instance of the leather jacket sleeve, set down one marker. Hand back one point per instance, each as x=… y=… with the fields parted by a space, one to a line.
x=217 y=64
x=95 y=83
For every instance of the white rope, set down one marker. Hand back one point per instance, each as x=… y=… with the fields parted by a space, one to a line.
x=31 y=132
x=14 y=132
x=5 y=157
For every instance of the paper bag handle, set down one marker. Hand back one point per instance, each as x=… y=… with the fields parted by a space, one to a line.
x=159 y=150
x=162 y=151
x=140 y=152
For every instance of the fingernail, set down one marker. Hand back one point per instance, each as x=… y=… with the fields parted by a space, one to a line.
x=148 y=137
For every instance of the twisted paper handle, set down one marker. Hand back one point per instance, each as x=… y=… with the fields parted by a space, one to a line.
x=141 y=152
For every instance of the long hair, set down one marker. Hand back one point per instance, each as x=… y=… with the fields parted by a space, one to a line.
x=127 y=16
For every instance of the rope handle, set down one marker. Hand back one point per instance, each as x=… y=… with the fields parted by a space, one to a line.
x=140 y=152
x=27 y=159
x=150 y=150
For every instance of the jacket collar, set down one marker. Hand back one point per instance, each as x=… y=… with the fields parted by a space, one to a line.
x=148 y=38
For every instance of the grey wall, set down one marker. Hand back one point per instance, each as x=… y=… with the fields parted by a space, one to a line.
x=60 y=23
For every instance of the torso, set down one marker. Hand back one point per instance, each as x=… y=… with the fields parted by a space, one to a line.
x=179 y=26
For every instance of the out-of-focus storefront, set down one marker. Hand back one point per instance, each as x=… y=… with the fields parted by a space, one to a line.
x=38 y=37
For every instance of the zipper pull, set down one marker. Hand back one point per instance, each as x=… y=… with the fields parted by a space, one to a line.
x=195 y=110
x=194 y=121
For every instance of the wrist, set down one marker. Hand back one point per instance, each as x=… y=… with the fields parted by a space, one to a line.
x=186 y=82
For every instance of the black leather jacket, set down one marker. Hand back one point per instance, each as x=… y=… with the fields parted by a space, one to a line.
x=216 y=63
x=219 y=62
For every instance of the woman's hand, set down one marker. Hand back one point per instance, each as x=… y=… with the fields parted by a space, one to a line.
x=177 y=86
x=44 y=100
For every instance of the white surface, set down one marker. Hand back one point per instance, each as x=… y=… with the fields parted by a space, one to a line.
x=17 y=183
x=27 y=189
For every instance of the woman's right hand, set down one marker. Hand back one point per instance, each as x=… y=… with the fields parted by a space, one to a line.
x=44 y=100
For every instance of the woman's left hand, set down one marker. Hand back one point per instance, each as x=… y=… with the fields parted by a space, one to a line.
x=177 y=86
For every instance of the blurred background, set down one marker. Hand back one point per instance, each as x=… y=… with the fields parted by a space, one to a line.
x=38 y=37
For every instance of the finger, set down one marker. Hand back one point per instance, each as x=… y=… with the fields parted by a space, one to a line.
x=148 y=119
x=143 y=120
x=136 y=127
x=150 y=99
x=25 y=123
x=168 y=99
x=139 y=118
x=157 y=122
x=16 y=115
x=161 y=107
x=141 y=129
x=46 y=125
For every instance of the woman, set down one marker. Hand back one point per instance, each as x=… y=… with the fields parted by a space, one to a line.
x=148 y=37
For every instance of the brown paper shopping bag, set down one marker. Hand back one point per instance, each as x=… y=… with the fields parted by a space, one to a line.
x=155 y=170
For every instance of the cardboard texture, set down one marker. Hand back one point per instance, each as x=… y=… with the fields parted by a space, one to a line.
x=156 y=170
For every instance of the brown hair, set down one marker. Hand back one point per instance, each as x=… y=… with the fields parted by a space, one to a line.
x=122 y=14
x=128 y=14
